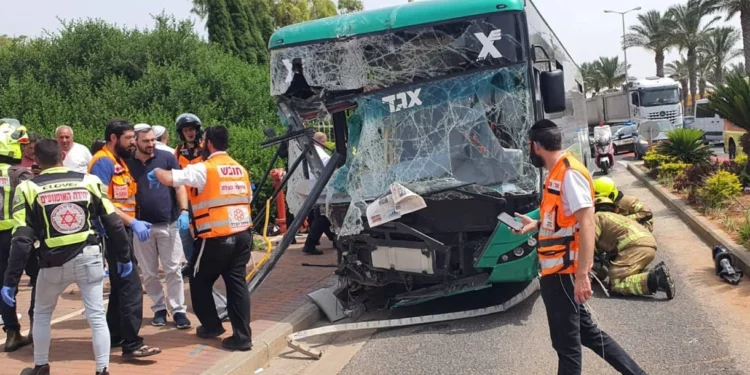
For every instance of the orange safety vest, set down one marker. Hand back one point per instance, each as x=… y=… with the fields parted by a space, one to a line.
x=122 y=185
x=223 y=207
x=184 y=161
x=558 y=233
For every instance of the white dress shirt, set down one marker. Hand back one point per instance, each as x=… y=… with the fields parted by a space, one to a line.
x=324 y=157
x=193 y=175
x=162 y=146
x=78 y=158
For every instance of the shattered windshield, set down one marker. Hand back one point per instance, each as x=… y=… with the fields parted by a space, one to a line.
x=467 y=130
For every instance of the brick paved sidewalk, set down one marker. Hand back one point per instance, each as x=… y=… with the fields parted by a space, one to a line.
x=284 y=291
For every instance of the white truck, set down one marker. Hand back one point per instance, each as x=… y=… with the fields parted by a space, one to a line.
x=708 y=121
x=653 y=98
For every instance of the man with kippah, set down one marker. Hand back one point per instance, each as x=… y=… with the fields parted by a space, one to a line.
x=566 y=253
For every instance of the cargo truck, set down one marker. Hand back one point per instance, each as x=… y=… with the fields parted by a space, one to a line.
x=652 y=98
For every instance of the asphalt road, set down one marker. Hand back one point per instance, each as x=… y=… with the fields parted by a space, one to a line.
x=704 y=330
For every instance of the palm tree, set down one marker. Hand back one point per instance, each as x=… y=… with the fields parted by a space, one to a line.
x=688 y=32
x=735 y=69
x=591 y=78
x=611 y=71
x=719 y=44
x=703 y=69
x=732 y=102
x=732 y=7
x=652 y=34
x=678 y=71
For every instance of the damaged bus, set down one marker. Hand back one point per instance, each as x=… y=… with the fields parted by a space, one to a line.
x=430 y=103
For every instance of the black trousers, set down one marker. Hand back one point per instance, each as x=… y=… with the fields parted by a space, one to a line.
x=125 y=309
x=226 y=257
x=319 y=225
x=571 y=326
x=32 y=269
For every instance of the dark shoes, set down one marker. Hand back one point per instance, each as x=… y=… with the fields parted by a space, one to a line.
x=660 y=278
x=103 y=372
x=15 y=341
x=233 y=343
x=37 y=370
x=181 y=321
x=160 y=318
x=204 y=333
x=313 y=251
x=187 y=270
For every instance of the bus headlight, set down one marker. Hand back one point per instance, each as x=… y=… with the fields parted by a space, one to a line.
x=518 y=252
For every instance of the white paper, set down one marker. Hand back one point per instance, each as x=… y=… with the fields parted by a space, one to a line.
x=399 y=202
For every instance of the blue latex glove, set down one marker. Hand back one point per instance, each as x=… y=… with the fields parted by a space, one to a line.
x=142 y=229
x=183 y=221
x=153 y=182
x=124 y=269
x=9 y=295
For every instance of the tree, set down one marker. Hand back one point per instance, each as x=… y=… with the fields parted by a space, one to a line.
x=732 y=102
x=219 y=25
x=719 y=46
x=7 y=41
x=652 y=34
x=611 y=72
x=289 y=12
x=591 y=78
x=322 y=9
x=678 y=71
x=261 y=10
x=732 y=7
x=688 y=31
x=735 y=69
x=351 y=6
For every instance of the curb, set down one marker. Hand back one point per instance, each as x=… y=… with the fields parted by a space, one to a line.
x=270 y=343
x=707 y=231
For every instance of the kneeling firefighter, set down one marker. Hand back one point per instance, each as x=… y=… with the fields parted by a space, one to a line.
x=626 y=205
x=629 y=248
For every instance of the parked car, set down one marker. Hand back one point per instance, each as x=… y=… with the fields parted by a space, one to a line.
x=643 y=141
x=623 y=138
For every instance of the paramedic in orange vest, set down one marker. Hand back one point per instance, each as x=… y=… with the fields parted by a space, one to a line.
x=566 y=253
x=219 y=192
x=125 y=309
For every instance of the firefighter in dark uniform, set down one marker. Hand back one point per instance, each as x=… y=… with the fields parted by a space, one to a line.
x=57 y=208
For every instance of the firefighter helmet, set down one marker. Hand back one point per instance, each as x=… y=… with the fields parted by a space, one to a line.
x=604 y=204
x=606 y=187
x=12 y=136
x=189 y=120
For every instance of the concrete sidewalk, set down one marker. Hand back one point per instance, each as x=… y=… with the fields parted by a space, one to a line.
x=283 y=292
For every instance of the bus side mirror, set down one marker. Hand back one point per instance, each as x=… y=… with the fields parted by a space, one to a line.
x=552 y=85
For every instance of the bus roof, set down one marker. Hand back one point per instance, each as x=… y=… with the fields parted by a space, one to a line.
x=395 y=17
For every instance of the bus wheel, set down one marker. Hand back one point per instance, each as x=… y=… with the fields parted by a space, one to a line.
x=732 y=150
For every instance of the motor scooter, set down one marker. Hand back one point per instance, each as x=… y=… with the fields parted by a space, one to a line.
x=604 y=149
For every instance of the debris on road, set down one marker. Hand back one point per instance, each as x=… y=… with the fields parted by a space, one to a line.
x=724 y=263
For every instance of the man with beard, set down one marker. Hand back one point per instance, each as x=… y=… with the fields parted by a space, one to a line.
x=125 y=310
x=166 y=209
x=567 y=234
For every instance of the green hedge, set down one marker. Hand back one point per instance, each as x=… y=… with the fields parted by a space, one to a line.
x=92 y=71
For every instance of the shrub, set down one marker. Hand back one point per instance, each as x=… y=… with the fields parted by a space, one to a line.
x=686 y=145
x=744 y=230
x=653 y=159
x=719 y=188
x=671 y=170
x=692 y=178
x=737 y=167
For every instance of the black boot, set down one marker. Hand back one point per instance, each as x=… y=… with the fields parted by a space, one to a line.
x=660 y=280
x=37 y=370
x=15 y=341
x=103 y=372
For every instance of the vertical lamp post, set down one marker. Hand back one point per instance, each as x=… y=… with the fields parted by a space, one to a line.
x=624 y=47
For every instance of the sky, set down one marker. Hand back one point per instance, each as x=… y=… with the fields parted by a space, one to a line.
x=582 y=26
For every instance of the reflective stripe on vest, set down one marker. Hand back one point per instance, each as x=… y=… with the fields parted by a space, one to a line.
x=6 y=220
x=223 y=207
x=184 y=161
x=122 y=186
x=558 y=234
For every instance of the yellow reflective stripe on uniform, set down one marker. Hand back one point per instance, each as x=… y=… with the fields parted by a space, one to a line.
x=69 y=239
x=218 y=223
x=21 y=197
x=6 y=221
x=638 y=206
x=221 y=202
x=630 y=238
